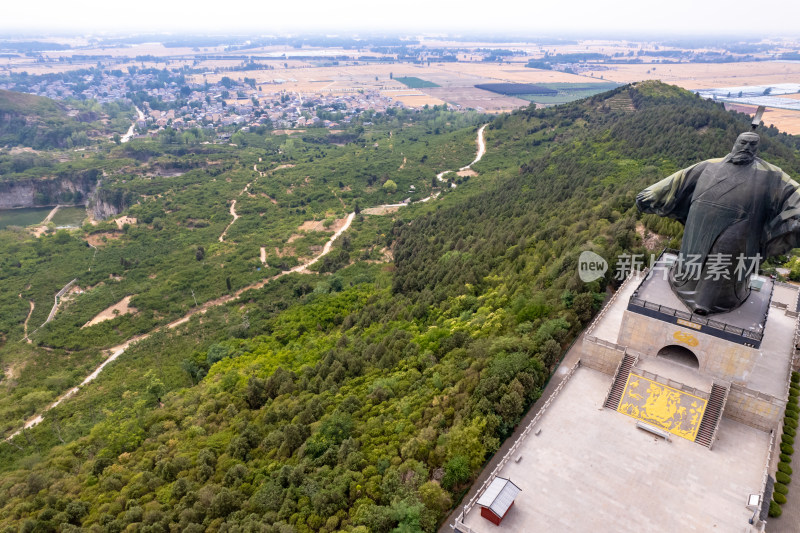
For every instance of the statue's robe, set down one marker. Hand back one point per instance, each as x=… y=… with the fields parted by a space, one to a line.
x=740 y=211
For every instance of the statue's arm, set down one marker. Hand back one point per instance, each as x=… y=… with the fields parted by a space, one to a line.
x=670 y=197
x=783 y=231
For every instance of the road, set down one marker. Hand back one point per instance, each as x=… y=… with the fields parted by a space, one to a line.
x=118 y=350
x=129 y=135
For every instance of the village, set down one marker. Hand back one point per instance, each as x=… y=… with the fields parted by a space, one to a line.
x=171 y=101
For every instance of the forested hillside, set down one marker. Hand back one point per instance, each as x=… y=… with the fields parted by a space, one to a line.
x=368 y=398
x=42 y=123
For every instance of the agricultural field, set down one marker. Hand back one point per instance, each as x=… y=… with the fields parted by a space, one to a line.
x=567 y=92
x=516 y=89
x=416 y=83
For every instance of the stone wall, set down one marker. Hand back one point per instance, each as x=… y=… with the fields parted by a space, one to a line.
x=717 y=357
x=601 y=355
x=754 y=409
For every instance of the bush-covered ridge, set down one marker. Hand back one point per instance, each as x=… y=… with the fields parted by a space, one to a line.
x=367 y=401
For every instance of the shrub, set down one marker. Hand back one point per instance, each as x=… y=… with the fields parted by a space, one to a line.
x=791 y=414
x=774 y=509
x=790 y=422
x=783 y=478
x=792 y=406
x=786 y=458
x=795 y=377
x=787 y=439
x=787 y=449
x=781 y=488
x=785 y=468
x=792 y=432
x=794 y=392
x=780 y=498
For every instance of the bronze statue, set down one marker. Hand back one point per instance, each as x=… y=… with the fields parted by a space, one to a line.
x=736 y=210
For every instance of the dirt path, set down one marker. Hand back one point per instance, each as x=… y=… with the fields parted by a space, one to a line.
x=116 y=351
x=235 y=217
x=263 y=255
x=39 y=230
x=481 y=152
x=129 y=134
x=233 y=208
x=25 y=325
x=50 y=215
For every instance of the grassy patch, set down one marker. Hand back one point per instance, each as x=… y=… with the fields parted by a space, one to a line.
x=416 y=83
x=568 y=92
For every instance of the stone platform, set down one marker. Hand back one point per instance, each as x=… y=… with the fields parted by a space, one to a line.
x=591 y=469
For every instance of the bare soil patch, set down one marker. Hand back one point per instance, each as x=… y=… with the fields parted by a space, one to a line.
x=120 y=308
x=121 y=221
x=466 y=172
x=381 y=210
x=319 y=225
x=650 y=240
x=100 y=239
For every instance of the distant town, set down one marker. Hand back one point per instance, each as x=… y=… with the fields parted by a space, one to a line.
x=225 y=103
x=236 y=83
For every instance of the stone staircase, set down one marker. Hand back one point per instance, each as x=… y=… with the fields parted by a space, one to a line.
x=708 y=426
x=615 y=394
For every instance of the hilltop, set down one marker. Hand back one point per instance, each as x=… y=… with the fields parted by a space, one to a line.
x=362 y=400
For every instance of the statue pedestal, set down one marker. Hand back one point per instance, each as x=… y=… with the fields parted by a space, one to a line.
x=748 y=350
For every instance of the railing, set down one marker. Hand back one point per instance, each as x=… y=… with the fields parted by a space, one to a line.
x=671 y=383
x=462 y=528
x=795 y=343
x=459 y=522
x=669 y=311
x=767 y=464
x=601 y=342
x=719 y=417
x=616 y=373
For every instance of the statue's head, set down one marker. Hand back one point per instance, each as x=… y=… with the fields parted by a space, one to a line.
x=745 y=148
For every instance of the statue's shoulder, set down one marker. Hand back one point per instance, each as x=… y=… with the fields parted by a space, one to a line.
x=768 y=167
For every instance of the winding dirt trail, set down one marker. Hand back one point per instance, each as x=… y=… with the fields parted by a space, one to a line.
x=116 y=351
x=25 y=325
x=478 y=157
x=235 y=218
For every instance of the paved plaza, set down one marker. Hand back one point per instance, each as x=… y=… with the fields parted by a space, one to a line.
x=591 y=470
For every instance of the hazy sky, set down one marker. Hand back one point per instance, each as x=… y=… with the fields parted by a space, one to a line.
x=643 y=17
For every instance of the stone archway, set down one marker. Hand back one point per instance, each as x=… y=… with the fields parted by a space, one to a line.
x=679 y=354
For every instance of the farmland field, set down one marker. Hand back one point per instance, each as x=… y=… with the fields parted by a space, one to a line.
x=567 y=92
x=516 y=89
x=416 y=83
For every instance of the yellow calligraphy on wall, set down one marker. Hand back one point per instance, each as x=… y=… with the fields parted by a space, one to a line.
x=686 y=338
x=663 y=406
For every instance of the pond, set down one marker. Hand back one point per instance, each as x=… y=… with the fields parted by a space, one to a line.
x=23 y=217
x=69 y=217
